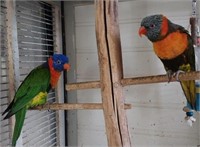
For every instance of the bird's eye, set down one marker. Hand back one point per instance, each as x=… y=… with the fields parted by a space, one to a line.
x=58 y=62
x=152 y=25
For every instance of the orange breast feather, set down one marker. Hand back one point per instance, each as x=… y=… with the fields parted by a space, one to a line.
x=54 y=74
x=171 y=46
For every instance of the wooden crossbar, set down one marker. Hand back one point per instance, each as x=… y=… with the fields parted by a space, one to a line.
x=135 y=81
x=80 y=106
x=83 y=85
x=160 y=79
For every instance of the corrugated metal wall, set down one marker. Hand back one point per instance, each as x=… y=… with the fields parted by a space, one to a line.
x=156 y=118
x=35 y=32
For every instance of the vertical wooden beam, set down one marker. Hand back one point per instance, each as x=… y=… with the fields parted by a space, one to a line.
x=114 y=44
x=109 y=52
x=13 y=56
x=111 y=123
x=10 y=63
x=12 y=45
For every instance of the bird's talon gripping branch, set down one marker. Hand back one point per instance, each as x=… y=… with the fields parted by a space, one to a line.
x=176 y=75
x=48 y=106
x=169 y=75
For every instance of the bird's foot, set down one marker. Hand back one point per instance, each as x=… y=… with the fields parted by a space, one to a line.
x=176 y=74
x=46 y=105
x=169 y=75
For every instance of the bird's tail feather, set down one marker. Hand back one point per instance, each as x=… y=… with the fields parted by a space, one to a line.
x=8 y=108
x=190 y=92
x=19 y=116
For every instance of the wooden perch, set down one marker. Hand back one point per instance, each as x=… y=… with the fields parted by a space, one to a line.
x=61 y=106
x=135 y=81
x=160 y=79
x=83 y=85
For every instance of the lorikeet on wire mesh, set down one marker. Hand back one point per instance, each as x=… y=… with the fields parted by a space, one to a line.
x=33 y=90
x=173 y=45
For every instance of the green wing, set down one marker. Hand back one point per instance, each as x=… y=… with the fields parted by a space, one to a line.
x=37 y=81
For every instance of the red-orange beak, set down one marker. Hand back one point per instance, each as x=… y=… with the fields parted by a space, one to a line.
x=67 y=66
x=142 y=31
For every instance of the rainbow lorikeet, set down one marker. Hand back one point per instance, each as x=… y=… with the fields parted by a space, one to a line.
x=173 y=45
x=33 y=90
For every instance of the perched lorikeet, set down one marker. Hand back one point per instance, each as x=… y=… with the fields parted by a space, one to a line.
x=33 y=90
x=173 y=45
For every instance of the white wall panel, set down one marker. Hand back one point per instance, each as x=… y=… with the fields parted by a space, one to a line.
x=87 y=66
x=94 y=97
x=156 y=118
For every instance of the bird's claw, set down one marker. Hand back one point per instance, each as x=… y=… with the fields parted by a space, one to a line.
x=176 y=74
x=171 y=74
x=46 y=105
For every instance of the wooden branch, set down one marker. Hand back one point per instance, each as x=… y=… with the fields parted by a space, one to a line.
x=83 y=85
x=63 y=106
x=135 y=81
x=160 y=79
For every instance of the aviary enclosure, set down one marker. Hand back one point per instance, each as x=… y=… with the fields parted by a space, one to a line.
x=18 y=56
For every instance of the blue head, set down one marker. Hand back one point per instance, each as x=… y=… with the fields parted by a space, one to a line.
x=60 y=62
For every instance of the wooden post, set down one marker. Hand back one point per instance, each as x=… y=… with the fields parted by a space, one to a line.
x=109 y=52
x=112 y=128
x=114 y=44
x=13 y=55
